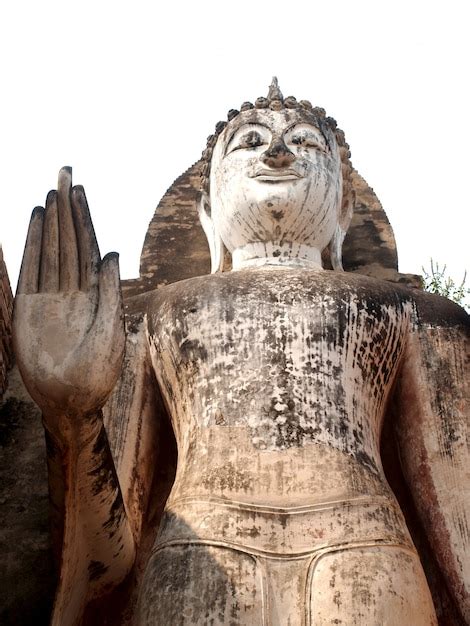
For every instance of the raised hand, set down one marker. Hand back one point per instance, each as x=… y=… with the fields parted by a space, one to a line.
x=68 y=326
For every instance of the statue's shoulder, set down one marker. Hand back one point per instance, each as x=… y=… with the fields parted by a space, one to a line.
x=437 y=311
x=181 y=292
x=428 y=308
x=368 y=288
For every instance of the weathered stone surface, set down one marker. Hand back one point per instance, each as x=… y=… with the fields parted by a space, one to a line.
x=6 y=308
x=26 y=565
x=274 y=390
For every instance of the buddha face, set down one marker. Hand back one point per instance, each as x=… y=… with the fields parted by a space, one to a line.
x=275 y=178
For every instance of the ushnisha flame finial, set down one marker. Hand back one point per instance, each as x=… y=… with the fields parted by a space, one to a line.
x=274 y=92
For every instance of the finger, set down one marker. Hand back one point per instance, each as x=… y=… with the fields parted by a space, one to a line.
x=109 y=321
x=88 y=251
x=107 y=335
x=110 y=298
x=49 y=274
x=68 y=252
x=28 y=281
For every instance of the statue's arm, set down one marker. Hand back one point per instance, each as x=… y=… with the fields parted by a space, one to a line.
x=92 y=535
x=139 y=429
x=68 y=333
x=434 y=436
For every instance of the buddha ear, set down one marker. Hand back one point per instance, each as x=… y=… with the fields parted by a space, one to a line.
x=344 y=219
x=216 y=245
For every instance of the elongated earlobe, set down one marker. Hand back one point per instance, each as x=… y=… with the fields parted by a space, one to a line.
x=216 y=245
x=336 y=249
x=336 y=243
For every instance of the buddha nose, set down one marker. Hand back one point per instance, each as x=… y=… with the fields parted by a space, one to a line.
x=278 y=154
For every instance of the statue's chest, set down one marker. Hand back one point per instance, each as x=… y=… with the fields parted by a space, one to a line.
x=283 y=326
x=289 y=353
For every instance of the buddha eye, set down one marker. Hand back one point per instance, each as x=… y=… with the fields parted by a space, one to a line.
x=251 y=139
x=306 y=140
x=305 y=136
x=297 y=140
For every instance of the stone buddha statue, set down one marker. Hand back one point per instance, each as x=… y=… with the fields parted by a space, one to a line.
x=229 y=470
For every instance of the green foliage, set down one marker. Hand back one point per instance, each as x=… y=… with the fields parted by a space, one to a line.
x=436 y=281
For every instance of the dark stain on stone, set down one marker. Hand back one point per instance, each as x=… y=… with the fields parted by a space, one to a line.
x=192 y=350
x=116 y=512
x=100 y=443
x=96 y=569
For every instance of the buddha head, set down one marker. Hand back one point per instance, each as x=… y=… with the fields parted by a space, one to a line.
x=276 y=185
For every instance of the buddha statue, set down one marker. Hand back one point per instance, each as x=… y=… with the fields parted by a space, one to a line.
x=273 y=379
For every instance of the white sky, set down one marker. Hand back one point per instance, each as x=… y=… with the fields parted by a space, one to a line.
x=127 y=92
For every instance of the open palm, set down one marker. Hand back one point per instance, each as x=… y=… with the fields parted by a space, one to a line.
x=68 y=325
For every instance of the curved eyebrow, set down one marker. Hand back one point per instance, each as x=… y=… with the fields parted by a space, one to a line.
x=304 y=124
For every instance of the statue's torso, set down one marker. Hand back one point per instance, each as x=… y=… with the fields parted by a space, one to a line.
x=276 y=382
